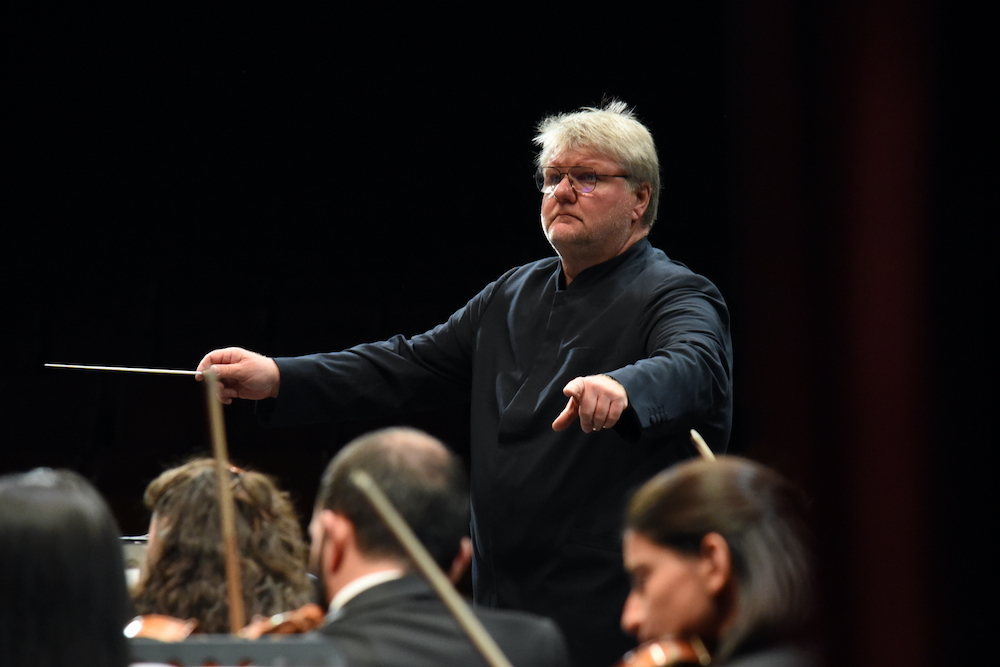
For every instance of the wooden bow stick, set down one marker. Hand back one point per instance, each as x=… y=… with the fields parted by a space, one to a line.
x=425 y=563
x=227 y=512
x=702 y=446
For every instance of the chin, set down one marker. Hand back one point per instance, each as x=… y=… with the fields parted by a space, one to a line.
x=566 y=239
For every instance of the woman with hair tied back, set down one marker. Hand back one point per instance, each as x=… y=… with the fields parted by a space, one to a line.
x=718 y=556
x=185 y=569
x=63 y=597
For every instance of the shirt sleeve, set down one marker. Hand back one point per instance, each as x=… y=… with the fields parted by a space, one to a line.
x=686 y=377
x=396 y=376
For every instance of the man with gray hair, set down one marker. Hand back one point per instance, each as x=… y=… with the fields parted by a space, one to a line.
x=611 y=334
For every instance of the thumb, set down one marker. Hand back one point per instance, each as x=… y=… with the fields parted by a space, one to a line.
x=574 y=388
x=224 y=371
x=236 y=371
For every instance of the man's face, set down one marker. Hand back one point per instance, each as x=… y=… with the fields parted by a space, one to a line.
x=668 y=596
x=591 y=225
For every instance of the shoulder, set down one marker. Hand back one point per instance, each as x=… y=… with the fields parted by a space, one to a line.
x=669 y=286
x=526 y=639
x=659 y=265
x=539 y=270
x=515 y=620
x=525 y=279
x=405 y=619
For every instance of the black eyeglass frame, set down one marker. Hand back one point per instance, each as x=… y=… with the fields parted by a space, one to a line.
x=573 y=181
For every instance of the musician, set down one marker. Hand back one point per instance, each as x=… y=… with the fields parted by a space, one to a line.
x=717 y=550
x=584 y=373
x=185 y=574
x=63 y=598
x=380 y=611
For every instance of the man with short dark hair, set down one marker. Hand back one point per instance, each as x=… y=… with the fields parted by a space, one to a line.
x=381 y=613
x=611 y=334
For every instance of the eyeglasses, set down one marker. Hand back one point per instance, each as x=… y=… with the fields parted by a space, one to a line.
x=581 y=179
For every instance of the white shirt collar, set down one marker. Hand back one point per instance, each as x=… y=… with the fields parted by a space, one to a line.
x=359 y=585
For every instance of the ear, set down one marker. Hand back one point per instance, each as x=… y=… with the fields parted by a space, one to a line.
x=339 y=533
x=715 y=563
x=642 y=195
x=461 y=562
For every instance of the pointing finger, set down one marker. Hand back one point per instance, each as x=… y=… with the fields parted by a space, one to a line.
x=567 y=416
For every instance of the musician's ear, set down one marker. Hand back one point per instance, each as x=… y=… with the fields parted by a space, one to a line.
x=330 y=533
x=715 y=563
x=461 y=562
x=339 y=532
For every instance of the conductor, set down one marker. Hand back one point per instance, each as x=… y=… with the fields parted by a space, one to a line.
x=583 y=373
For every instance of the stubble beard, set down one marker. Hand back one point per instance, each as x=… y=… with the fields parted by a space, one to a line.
x=590 y=243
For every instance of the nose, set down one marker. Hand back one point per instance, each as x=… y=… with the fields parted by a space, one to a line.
x=565 y=190
x=631 y=615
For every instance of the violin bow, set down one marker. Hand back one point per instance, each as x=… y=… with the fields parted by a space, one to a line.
x=703 y=448
x=237 y=613
x=425 y=563
x=227 y=512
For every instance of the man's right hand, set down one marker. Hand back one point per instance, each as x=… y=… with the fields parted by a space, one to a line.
x=242 y=374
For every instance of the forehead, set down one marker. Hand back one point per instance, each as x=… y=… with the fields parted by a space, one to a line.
x=579 y=157
x=637 y=549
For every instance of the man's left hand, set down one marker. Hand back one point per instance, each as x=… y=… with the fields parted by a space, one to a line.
x=598 y=400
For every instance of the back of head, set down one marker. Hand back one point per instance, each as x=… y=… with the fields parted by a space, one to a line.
x=761 y=517
x=611 y=131
x=424 y=482
x=185 y=575
x=62 y=575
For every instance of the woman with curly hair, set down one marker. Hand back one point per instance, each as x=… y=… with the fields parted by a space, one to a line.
x=185 y=570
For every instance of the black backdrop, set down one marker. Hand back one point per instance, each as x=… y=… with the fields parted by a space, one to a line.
x=297 y=182
x=279 y=183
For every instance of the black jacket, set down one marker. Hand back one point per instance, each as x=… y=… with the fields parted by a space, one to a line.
x=403 y=623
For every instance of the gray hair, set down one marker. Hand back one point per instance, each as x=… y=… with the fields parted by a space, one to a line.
x=611 y=131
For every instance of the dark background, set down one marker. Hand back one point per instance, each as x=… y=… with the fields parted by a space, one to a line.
x=295 y=182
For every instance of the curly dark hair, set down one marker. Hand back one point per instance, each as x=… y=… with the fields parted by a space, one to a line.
x=185 y=574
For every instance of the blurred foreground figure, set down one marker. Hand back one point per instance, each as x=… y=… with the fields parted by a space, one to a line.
x=717 y=550
x=381 y=612
x=63 y=599
x=185 y=574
